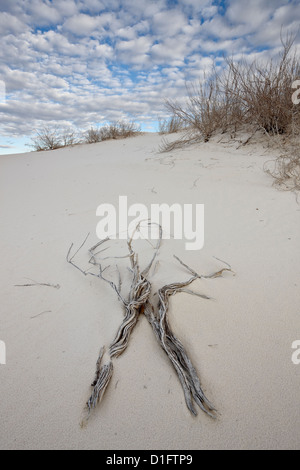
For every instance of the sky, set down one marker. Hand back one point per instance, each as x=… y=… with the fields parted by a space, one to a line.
x=82 y=63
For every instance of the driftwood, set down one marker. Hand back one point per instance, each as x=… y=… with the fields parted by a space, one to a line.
x=137 y=303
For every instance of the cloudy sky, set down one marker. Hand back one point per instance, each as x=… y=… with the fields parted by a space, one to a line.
x=85 y=62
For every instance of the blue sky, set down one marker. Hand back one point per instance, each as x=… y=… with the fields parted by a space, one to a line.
x=77 y=63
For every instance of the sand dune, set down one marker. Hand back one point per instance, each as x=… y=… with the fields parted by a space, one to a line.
x=240 y=342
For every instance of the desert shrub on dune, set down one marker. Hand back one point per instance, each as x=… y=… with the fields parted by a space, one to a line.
x=171 y=125
x=92 y=136
x=53 y=138
x=69 y=137
x=247 y=94
x=203 y=111
x=252 y=93
x=46 y=139
x=264 y=91
x=115 y=130
x=126 y=129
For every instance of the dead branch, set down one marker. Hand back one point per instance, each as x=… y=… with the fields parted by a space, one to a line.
x=137 y=303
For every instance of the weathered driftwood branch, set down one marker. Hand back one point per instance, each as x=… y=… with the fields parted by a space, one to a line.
x=138 y=303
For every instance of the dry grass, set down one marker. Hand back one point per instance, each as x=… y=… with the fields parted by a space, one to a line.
x=285 y=170
x=189 y=137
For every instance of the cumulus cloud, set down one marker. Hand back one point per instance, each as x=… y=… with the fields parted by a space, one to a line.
x=171 y=51
x=82 y=24
x=169 y=22
x=44 y=12
x=10 y=24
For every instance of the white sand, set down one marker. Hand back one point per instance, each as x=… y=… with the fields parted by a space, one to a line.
x=240 y=343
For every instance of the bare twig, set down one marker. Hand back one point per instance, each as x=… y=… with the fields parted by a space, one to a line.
x=35 y=283
x=42 y=313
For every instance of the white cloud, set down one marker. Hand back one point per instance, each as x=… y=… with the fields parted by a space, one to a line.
x=285 y=14
x=81 y=24
x=139 y=46
x=43 y=12
x=103 y=51
x=135 y=51
x=127 y=33
x=252 y=13
x=66 y=7
x=94 y=6
x=136 y=10
x=196 y=3
x=15 y=8
x=168 y=23
x=10 y=24
x=171 y=51
x=209 y=11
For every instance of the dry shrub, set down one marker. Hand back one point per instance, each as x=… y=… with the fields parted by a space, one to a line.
x=52 y=138
x=252 y=94
x=202 y=110
x=46 y=139
x=115 y=130
x=127 y=129
x=263 y=91
x=171 y=125
x=256 y=94
x=92 y=136
x=69 y=137
x=285 y=170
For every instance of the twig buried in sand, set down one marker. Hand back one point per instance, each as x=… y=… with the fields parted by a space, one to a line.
x=35 y=283
x=137 y=303
x=42 y=313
